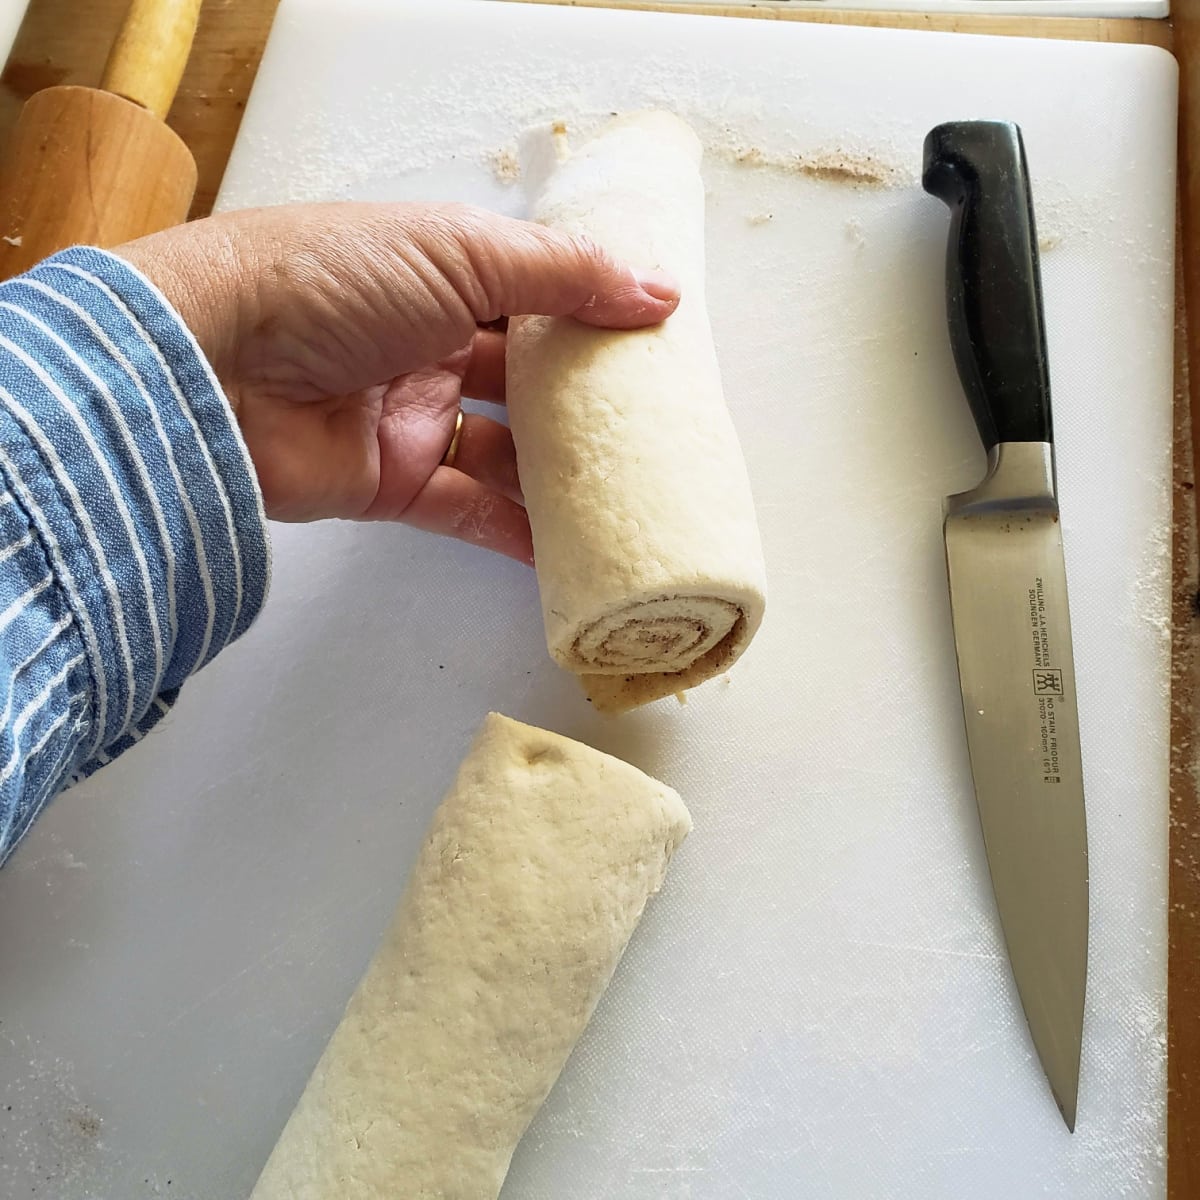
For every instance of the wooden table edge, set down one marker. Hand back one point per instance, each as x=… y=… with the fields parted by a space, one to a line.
x=1138 y=30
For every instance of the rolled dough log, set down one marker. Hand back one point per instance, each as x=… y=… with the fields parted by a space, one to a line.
x=531 y=879
x=649 y=561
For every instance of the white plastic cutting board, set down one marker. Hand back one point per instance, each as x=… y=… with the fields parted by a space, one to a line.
x=12 y=12
x=818 y=1005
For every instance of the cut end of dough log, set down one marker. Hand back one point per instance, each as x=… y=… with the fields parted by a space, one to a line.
x=620 y=693
x=705 y=635
x=664 y=635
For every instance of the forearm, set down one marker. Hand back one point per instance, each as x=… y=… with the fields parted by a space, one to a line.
x=133 y=543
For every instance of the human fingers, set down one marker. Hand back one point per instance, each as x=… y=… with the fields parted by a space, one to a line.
x=483 y=378
x=458 y=506
x=500 y=266
x=486 y=453
x=301 y=302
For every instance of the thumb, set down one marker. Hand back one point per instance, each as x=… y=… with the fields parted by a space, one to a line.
x=504 y=267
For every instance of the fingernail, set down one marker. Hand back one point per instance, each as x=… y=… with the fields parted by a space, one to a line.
x=657 y=284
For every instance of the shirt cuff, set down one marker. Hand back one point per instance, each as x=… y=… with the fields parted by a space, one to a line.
x=122 y=448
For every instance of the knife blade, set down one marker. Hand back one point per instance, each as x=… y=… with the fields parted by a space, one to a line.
x=1008 y=590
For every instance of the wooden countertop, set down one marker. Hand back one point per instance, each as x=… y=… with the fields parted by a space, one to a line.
x=67 y=41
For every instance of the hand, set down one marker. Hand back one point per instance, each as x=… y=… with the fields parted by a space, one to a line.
x=345 y=335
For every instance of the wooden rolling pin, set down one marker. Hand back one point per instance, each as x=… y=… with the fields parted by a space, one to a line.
x=100 y=166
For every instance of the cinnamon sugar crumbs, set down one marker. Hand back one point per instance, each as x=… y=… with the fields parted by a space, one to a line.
x=833 y=166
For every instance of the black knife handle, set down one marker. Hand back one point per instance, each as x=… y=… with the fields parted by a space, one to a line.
x=993 y=284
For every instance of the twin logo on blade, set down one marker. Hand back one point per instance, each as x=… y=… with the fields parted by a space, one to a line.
x=1047 y=683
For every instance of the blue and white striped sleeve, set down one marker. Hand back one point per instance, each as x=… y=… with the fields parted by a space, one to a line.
x=133 y=542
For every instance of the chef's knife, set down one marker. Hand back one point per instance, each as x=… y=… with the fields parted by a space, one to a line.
x=1008 y=590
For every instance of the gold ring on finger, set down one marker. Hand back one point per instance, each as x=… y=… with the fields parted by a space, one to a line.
x=452 y=449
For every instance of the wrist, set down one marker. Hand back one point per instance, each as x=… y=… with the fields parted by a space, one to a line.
x=200 y=277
